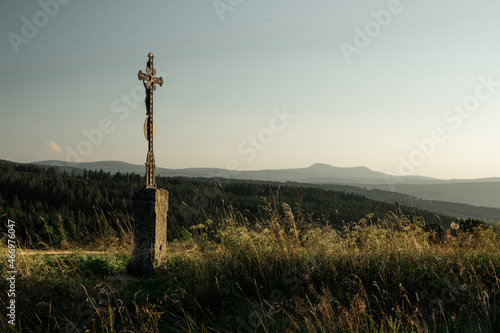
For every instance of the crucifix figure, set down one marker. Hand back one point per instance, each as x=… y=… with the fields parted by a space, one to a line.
x=150 y=80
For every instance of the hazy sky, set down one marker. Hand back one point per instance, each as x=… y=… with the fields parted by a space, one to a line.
x=403 y=87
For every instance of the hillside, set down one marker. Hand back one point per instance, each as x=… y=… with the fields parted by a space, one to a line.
x=461 y=210
x=477 y=198
x=46 y=199
x=280 y=274
x=473 y=192
x=243 y=256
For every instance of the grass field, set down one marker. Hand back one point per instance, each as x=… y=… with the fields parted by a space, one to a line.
x=281 y=274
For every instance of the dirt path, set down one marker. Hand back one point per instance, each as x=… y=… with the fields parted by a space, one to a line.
x=53 y=253
x=173 y=249
x=57 y=252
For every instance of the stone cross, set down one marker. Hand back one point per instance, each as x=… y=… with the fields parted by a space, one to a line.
x=150 y=81
x=150 y=204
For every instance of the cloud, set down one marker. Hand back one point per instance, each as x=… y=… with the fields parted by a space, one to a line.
x=54 y=146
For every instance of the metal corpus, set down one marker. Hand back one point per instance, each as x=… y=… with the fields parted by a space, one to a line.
x=150 y=81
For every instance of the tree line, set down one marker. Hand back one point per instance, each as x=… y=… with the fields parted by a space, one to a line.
x=47 y=200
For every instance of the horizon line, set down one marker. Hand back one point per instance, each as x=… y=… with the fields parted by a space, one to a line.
x=269 y=169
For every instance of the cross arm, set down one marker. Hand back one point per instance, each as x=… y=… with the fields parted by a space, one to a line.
x=143 y=76
x=157 y=80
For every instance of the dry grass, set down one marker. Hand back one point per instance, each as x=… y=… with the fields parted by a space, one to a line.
x=283 y=274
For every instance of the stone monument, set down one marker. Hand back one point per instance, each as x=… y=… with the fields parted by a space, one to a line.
x=150 y=204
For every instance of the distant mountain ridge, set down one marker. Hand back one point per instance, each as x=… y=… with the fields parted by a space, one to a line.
x=316 y=173
x=476 y=192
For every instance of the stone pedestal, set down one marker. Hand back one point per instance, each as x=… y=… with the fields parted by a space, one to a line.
x=150 y=208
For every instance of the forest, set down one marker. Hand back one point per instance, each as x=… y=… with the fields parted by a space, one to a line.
x=47 y=201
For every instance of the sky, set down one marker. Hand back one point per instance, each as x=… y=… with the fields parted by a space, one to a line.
x=401 y=87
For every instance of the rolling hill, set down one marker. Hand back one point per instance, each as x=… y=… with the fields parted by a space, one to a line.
x=478 y=198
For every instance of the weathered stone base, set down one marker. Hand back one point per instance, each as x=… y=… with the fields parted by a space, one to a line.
x=150 y=208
